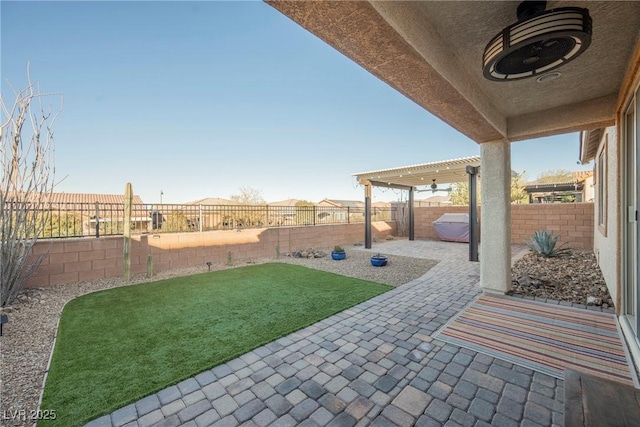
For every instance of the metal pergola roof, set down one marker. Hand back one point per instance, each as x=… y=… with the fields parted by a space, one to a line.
x=444 y=172
x=411 y=177
x=545 y=188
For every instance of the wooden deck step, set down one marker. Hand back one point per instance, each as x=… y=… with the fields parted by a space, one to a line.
x=592 y=401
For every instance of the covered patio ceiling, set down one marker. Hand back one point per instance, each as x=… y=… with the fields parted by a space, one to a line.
x=444 y=172
x=431 y=51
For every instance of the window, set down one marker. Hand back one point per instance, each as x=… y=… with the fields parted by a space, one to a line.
x=602 y=187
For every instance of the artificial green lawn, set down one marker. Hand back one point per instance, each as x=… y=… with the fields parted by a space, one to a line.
x=119 y=345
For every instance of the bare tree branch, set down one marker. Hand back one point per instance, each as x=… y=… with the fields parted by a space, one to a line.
x=27 y=160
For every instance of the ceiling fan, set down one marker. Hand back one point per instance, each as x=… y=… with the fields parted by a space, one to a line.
x=540 y=41
x=434 y=187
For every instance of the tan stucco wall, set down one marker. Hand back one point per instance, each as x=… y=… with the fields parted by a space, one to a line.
x=605 y=240
x=589 y=190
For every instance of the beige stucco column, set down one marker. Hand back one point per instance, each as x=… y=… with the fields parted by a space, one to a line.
x=495 y=229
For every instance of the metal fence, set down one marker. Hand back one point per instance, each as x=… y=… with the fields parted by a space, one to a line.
x=63 y=220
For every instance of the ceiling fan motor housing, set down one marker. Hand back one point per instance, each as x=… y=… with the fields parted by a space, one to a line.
x=538 y=43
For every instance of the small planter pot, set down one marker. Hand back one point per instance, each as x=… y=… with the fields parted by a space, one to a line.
x=338 y=255
x=379 y=261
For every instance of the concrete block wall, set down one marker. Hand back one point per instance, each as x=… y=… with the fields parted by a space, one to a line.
x=69 y=261
x=425 y=216
x=77 y=260
x=572 y=221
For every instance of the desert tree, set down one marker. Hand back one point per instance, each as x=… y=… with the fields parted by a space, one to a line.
x=518 y=192
x=248 y=196
x=254 y=214
x=460 y=191
x=27 y=160
x=304 y=212
x=555 y=176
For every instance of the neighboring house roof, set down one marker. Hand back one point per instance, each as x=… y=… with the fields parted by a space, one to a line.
x=581 y=176
x=341 y=203
x=433 y=201
x=288 y=202
x=61 y=198
x=381 y=204
x=437 y=199
x=213 y=201
x=353 y=203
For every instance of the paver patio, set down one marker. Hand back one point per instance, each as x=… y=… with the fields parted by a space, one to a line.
x=374 y=364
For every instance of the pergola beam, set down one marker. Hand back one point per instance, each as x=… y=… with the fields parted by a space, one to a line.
x=389 y=185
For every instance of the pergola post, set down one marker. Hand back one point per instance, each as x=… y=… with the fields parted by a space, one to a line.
x=367 y=215
x=473 y=212
x=411 y=216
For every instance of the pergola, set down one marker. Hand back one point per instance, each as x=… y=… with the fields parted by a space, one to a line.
x=426 y=174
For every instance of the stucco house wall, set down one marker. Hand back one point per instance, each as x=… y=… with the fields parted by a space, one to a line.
x=588 y=191
x=605 y=239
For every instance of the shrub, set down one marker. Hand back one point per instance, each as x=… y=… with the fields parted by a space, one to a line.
x=544 y=243
x=338 y=249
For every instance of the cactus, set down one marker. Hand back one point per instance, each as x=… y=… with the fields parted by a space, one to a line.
x=544 y=243
x=128 y=199
x=149 y=266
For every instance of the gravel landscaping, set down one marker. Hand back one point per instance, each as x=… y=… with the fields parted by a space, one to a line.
x=574 y=278
x=398 y=271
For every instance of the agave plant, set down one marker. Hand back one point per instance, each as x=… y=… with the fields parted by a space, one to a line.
x=544 y=243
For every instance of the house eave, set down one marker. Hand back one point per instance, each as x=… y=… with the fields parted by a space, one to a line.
x=589 y=142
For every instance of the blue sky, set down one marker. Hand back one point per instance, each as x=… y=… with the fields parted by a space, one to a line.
x=198 y=99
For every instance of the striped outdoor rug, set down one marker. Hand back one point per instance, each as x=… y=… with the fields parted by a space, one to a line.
x=543 y=337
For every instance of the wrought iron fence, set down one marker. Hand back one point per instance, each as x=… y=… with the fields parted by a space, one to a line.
x=64 y=220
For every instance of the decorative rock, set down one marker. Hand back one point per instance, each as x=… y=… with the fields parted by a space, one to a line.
x=568 y=279
x=308 y=253
x=594 y=301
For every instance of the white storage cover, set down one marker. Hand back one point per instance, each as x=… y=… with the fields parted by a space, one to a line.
x=453 y=227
